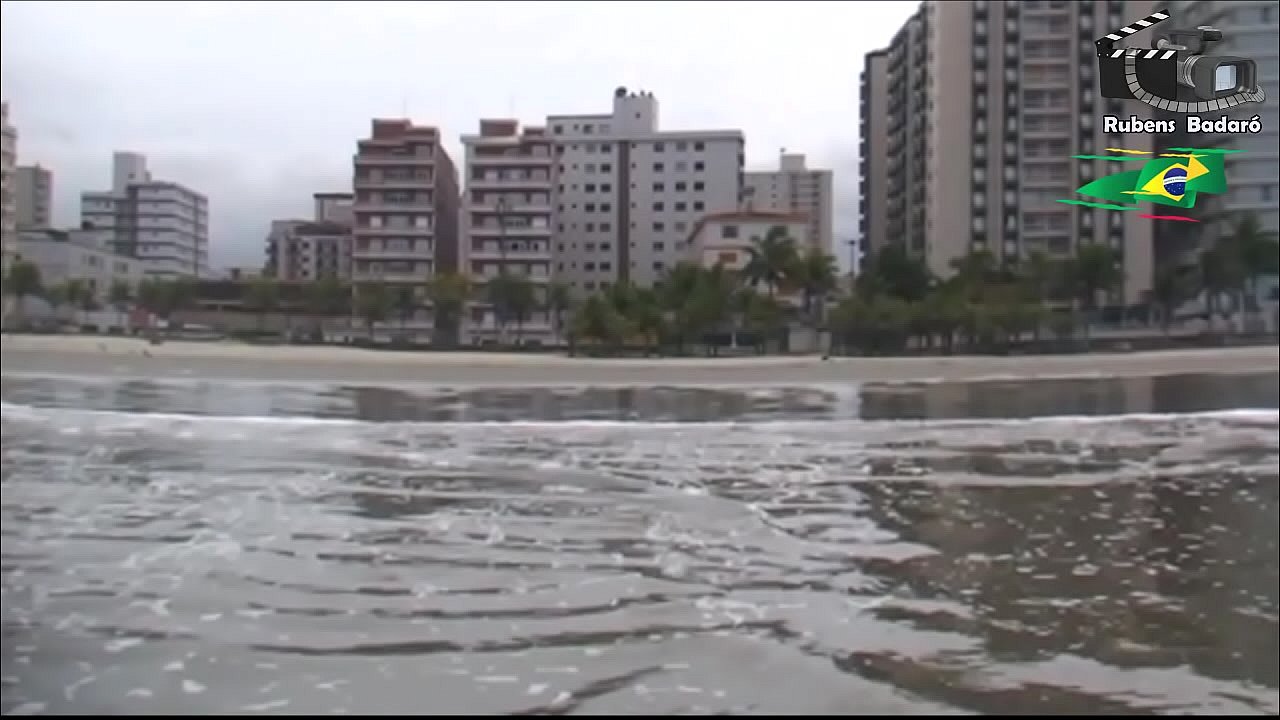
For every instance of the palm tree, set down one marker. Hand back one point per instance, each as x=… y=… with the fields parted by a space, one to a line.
x=597 y=320
x=559 y=300
x=897 y=273
x=120 y=295
x=771 y=259
x=59 y=296
x=448 y=293
x=261 y=296
x=22 y=282
x=522 y=302
x=815 y=273
x=84 y=299
x=1257 y=253
x=405 y=303
x=1220 y=274
x=1170 y=288
x=324 y=298
x=1095 y=269
x=373 y=304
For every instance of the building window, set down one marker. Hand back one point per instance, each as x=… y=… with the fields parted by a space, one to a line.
x=699 y=166
x=681 y=187
x=698 y=146
x=659 y=187
x=697 y=206
x=559 y=130
x=589 y=187
x=606 y=187
x=681 y=207
x=606 y=207
x=699 y=185
x=658 y=147
x=606 y=167
x=729 y=231
x=657 y=207
x=658 y=227
x=657 y=167
x=589 y=207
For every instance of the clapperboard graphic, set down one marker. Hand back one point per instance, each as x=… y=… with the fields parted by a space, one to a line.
x=1175 y=74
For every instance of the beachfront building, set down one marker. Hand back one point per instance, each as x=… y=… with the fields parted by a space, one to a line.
x=63 y=256
x=33 y=196
x=794 y=187
x=405 y=213
x=507 y=221
x=727 y=238
x=163 y=224
x=307 y=250
x=8 y=161
x=627 y=193
x=969 y=121
x=334 y=207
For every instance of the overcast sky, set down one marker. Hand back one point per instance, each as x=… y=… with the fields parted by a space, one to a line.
x=257 y=105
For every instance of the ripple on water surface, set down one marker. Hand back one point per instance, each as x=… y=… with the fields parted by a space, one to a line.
x=200 y=563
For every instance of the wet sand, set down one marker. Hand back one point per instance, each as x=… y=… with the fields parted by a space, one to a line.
x=130 y=357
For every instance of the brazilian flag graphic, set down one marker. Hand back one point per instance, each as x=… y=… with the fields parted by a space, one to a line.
x=1172 y=178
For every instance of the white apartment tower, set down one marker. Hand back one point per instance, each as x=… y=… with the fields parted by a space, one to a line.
x=795 y=188
x=33 y=196
x=8 y=159
x=508 y=214
x=627 y=194
x=163 y=224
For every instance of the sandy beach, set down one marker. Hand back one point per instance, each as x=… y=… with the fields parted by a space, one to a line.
x=130 y=357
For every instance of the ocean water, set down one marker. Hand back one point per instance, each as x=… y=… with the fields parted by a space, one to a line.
x=1051 y=547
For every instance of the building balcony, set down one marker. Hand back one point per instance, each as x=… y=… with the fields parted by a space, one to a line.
x=491 y=253
x=537 y=270
x=394 y=160
x=513 y=183
x=521 y=208
x=393 y=231
x=393 y=183
x=383 y=276
x=420 y=252
x=376 y=206
x=493 y=231
x=496 y=161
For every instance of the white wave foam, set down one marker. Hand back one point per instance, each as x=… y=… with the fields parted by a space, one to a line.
x=19 y=411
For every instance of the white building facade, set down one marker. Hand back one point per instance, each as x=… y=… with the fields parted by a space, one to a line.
x=66 y=255
x=163 y=224
x=628 y=193
x=796 y=188
x=8 y=161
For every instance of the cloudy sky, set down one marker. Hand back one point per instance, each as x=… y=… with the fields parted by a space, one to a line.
x=258 y=105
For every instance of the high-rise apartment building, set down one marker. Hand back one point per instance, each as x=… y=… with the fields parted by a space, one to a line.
x=33 y=196
x=508 y=214
x=984 y=105
x=334 y=207
x=405 y=215
x=8 y=159
x=1249 y=30
x=795 y=188
x=627 y=193
x=873 y=163
x=306 y=251
x=163 y=224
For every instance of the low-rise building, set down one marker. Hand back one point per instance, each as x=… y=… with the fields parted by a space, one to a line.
x=305 y=251
x=66 y=255
x=726 y=238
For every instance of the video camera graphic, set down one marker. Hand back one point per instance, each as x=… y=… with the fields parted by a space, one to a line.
x=1175 y=74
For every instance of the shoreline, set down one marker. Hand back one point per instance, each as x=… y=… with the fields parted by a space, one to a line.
x=134 y=358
